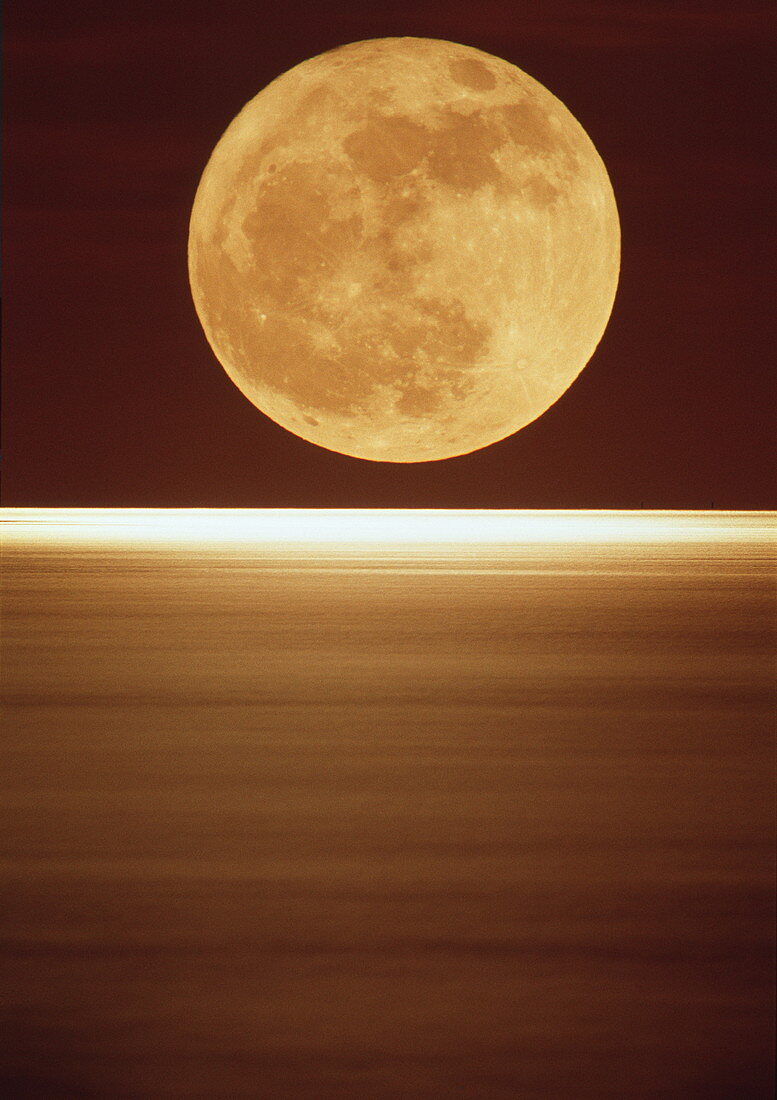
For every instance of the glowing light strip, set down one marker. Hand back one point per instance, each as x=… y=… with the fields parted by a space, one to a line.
x=377 y=526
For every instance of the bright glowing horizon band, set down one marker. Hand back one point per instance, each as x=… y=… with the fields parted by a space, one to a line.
x=379 y=526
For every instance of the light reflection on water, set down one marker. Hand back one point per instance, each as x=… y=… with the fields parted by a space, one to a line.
x=382 y=526
x=347 y=820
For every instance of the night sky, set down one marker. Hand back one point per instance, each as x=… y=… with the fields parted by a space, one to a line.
x=112 y=396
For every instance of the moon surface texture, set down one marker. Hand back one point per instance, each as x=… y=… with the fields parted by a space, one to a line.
x=404 y=249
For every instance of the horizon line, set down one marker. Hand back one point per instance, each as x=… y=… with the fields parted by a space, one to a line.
x=383 y=525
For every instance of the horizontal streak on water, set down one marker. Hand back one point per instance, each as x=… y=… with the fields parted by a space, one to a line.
x=343 y=527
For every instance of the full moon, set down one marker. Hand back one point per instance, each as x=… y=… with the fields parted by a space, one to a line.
x=404 y=249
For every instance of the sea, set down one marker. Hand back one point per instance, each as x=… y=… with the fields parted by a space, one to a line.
x=382 y=804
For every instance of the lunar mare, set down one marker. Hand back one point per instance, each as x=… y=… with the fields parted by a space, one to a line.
x=404 y=249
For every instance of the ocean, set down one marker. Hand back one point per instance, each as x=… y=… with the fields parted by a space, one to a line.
x=387 y=805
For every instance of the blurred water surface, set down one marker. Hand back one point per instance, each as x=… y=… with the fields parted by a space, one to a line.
x=454 y=820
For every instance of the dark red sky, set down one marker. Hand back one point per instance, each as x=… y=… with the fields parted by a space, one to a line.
x=111 y=393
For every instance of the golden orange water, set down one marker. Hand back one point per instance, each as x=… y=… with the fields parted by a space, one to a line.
x=428 y=804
